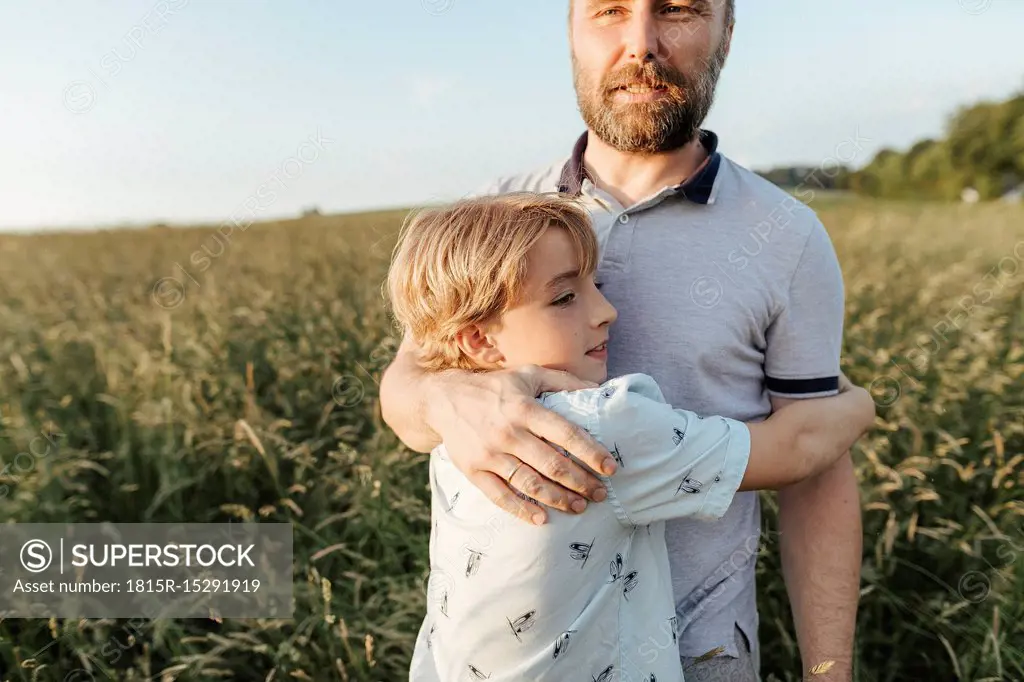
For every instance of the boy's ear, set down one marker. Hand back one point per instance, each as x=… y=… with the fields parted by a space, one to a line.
x=479 y=346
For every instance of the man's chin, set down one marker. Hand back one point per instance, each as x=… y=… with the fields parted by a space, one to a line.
x=633 y=132
x=636 y=145
x=635 y=114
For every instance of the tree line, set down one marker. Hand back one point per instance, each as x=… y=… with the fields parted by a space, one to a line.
x=982 y=148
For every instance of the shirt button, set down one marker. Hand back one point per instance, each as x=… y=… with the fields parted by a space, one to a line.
x=623 y=218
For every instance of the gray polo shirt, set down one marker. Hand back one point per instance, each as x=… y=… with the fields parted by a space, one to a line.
x=728 y=290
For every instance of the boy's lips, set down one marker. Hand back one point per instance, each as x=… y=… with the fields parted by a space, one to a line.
x=599 y=351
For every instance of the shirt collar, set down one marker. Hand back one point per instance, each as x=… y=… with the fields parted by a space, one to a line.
x=697 y=188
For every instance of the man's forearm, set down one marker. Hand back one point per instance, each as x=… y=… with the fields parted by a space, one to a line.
x=403 y=403
x=821 y=542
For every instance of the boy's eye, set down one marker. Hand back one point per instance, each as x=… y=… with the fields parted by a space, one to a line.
x=599 y=285
x=564 y=300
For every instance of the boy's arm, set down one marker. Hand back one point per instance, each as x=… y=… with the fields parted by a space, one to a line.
x=674 y=463
x=490 y=421
x=806 y=438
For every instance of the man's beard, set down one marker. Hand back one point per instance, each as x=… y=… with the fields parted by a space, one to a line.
x=649 y=127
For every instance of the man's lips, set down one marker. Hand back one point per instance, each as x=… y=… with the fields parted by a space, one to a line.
x=640 y=88
x=639 y=92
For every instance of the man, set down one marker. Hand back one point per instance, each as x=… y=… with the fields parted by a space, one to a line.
x=729 y=294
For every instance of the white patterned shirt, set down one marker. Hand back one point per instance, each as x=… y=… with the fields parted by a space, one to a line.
x=586 y=596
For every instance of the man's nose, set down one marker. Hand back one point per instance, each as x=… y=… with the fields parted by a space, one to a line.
x=642 y=38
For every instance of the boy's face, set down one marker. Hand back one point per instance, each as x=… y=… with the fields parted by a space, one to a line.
x=561 y=322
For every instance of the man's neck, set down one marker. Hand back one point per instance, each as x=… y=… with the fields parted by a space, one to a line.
x=631 y=177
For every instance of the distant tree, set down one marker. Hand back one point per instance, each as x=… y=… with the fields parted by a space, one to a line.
x=931 y=172
x=816 y=177
x=983 y=148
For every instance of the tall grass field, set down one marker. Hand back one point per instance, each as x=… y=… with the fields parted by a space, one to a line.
x=178 y=376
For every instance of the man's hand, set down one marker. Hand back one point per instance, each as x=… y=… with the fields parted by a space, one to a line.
x=494 y=429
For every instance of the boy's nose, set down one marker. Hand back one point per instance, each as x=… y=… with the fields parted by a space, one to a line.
x=608 y=312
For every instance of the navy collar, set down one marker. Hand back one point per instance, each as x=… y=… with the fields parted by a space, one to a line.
x=697 y=188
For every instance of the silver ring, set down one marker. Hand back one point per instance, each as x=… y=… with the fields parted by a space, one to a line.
x=519 y=463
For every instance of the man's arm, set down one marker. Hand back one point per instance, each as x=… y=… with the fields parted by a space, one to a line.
x=403 y=389
x=820 y=521
x=491 y=421
x=821 y=538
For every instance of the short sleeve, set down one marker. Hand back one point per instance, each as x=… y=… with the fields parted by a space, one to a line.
x=672 y=462
x=805 y=339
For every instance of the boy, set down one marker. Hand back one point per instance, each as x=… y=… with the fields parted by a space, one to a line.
x=506 y=281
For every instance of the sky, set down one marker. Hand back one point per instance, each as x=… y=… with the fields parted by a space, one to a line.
x=178 y=111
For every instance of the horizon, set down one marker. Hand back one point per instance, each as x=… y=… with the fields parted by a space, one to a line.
x=176 y=111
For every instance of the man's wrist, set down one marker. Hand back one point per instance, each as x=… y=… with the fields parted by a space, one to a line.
x=829 y=670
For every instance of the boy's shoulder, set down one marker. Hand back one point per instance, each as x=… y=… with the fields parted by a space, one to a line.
x=584 y=406
x=627 y=386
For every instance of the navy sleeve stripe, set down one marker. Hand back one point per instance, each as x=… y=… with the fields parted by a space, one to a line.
x=798 y=386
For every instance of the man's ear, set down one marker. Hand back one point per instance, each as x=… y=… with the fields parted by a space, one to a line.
x=478 y=345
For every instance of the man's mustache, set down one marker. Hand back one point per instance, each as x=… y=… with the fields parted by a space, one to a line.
x=651 y=74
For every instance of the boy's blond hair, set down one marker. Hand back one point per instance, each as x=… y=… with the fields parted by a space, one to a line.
x=465 y=264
